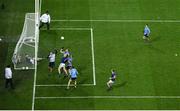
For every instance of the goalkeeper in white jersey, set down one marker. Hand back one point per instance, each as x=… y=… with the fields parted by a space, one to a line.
x=45 y=19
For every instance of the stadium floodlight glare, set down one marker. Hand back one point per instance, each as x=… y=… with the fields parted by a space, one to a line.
x=24 y=53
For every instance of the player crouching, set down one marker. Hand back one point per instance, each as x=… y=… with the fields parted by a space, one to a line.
x=111 y=79
x=73 y=76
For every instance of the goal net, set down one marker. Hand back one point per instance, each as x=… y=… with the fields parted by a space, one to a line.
x=24 y=53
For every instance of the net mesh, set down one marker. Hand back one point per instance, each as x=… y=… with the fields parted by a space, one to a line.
x=24 y=53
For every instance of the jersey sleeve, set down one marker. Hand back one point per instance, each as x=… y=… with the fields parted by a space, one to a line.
x=49 y=18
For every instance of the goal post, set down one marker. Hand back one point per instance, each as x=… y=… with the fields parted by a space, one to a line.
x=24 y=53
x=37 y=16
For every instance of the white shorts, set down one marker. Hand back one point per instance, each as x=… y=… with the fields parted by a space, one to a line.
x=62 y=65
x=111 y=82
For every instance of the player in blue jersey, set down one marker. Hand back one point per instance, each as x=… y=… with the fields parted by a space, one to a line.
x=73 y=76
x=62 y=66
x=69 y=63
x=111 y=79
x=65 y=52
x=146 y=33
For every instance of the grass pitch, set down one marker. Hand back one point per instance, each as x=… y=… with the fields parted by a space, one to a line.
x=147 y=73
x=144 y=69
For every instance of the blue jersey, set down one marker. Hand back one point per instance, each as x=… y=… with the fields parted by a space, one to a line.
x=146 y=30
x=113 y=76
x=64 y=60
x=69 y=60
x=73 y=73
x=66 y=53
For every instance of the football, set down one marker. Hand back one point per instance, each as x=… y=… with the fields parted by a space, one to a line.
x=62 y=38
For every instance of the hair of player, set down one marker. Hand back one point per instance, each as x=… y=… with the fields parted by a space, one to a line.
x=112 y=70
x=8 y=66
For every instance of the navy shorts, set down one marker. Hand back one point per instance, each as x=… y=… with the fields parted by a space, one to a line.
x=68 y=67
x=52 y=64
x=146 y=35
x=73 y=79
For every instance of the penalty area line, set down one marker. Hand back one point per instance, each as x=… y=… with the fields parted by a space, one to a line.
x=68 y=29
x=61 y=85
x=93 y=61
x=111 y=97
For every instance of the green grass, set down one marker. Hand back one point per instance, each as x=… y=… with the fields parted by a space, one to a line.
x=74 y=40
x=143 y=69
x=11 y=20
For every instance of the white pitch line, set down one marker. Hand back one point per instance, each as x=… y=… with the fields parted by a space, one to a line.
x=92 y=50
x=120 y=20
x=59 y=85
x=40 y=6
x=36 y=51
x=111 y=97
x=68 y=29
x=93 y=63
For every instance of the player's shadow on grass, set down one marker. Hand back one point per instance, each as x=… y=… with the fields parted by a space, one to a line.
x=83 y=81
x=156 y=49
x=120 y=85
x=117 y=86
x=155 y=39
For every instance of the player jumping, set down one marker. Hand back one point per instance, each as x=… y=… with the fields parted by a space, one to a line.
x=146 y=33
x=111 y=79
x=62 y=66
x=65 y=52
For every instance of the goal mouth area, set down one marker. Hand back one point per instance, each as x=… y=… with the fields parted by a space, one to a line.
x=24 y=52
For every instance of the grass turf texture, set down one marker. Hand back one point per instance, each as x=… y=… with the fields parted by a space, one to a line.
x=79 y=44
x=143 y=69
x=11 y=20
